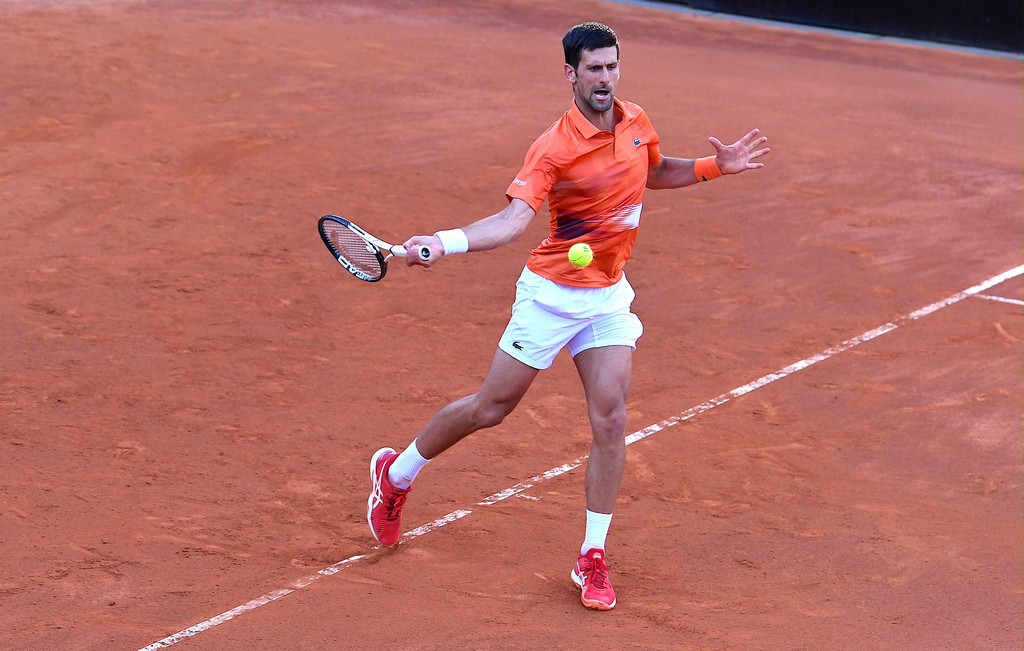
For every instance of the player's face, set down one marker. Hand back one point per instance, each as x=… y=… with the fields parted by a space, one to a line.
x=595 y=79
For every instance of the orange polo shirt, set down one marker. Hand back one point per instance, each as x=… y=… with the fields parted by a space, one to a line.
x=594 y=182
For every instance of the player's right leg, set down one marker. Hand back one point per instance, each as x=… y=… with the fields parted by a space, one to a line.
x=505 y=385
x=533 y=337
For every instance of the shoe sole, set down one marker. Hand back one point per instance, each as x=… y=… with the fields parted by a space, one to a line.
x=589 y=603
x=374 y=486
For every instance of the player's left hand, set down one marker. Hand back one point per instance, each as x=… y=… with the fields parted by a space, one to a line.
x=737 y=157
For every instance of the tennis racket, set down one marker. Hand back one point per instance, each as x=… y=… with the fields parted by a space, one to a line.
x=361 y=254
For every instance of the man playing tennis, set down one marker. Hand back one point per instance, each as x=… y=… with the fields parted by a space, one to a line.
x=592 y=166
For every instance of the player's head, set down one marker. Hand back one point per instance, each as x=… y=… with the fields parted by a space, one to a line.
x=592 y=67
x=587 y=36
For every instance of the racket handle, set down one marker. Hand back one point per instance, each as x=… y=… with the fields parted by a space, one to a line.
x=399 y=251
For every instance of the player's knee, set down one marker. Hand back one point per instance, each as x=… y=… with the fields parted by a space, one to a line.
x=609 y=426
x=489 y=414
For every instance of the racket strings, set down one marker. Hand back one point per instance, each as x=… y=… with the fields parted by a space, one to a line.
x=354 y=249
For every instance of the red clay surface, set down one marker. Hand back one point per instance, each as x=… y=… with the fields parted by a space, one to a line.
x=190 y=387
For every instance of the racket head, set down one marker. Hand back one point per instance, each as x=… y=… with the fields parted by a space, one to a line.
x=356 y=254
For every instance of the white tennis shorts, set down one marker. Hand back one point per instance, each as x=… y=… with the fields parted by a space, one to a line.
x=547 y=317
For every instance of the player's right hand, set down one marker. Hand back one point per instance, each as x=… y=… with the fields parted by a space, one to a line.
x=412 y=249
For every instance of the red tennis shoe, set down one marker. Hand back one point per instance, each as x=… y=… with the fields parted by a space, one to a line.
x=384 y=506
x=591 y=576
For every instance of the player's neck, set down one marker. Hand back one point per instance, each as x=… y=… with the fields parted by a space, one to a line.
x=604 y=120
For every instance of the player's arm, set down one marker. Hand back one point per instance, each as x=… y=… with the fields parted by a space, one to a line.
x=499 y=229
x=671 y=173
x=728 y=159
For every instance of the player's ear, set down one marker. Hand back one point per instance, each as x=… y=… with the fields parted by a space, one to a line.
x=570 y=74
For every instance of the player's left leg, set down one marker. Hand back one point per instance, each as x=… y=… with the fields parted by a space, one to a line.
x=606 y=374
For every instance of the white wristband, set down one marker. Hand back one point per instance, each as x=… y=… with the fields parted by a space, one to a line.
x=453 y=241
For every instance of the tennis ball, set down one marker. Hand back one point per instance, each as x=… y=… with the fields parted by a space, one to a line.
x=580 y=254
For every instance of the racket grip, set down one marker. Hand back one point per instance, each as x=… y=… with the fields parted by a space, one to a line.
x=399 y=251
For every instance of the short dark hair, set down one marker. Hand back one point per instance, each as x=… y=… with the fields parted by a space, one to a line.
x=587 y=36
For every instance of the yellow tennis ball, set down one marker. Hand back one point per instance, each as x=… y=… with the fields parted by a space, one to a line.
x=580 y=254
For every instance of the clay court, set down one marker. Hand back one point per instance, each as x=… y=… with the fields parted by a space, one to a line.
x=826 y=405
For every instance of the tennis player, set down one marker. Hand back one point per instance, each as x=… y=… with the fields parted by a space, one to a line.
x=592 y=166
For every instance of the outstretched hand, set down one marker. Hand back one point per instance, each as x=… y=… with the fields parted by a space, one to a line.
x=737 y=157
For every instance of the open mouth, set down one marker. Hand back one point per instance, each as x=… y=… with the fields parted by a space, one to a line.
x=602 y=94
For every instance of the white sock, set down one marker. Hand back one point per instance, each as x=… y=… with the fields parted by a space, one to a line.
x=597 y=531
x=405 y=468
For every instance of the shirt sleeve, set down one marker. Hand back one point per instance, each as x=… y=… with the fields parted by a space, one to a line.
x=535 y=180
x=654 y=155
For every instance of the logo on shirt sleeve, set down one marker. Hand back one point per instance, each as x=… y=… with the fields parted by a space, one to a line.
x=637 y=142
x=518 y=181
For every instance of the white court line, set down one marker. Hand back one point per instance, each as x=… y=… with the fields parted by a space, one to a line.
x=1001 y=299
x=572 y=465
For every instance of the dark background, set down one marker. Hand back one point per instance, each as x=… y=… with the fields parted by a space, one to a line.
x=990 y=24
